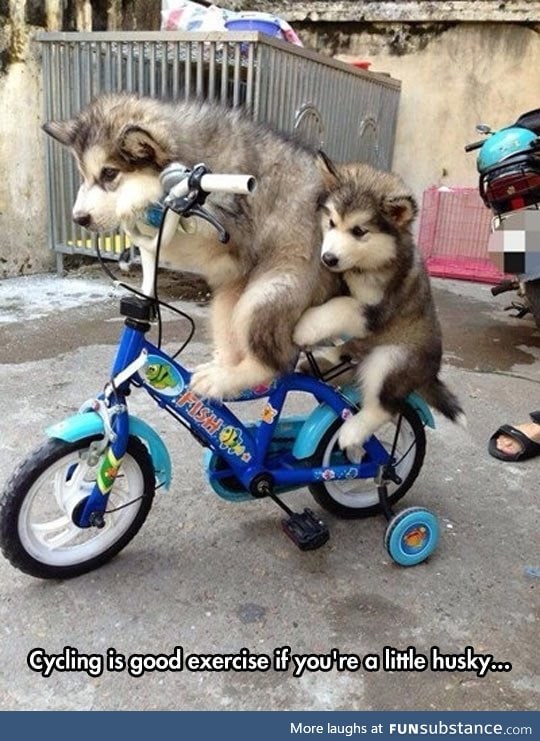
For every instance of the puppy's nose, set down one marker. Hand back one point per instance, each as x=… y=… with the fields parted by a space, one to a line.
x=82 y=219
x=330 y=260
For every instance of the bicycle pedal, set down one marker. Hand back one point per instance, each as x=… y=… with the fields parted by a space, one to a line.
x=306 y=530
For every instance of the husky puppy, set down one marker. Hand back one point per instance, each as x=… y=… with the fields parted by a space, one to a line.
x=390 y=314
x=268 y=273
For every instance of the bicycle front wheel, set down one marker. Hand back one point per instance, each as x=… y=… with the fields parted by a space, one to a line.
x=38 y=534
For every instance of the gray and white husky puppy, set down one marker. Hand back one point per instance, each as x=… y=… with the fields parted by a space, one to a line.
x=268 y=273
x=390 y=313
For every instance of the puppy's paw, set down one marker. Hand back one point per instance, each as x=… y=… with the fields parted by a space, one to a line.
x=350 y=436
x=210 y=381
x=308 y=330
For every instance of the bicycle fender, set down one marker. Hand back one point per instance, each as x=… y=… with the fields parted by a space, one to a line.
x=323 y=416
x=87 y=424
x=420 y=405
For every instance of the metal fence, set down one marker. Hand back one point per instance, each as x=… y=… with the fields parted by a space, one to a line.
x=350 y=113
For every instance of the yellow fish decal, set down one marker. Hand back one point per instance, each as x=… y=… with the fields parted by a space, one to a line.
x=230 y=438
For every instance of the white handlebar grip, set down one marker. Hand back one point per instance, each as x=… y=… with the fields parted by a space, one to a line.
x=218 y=183
x=175 y=180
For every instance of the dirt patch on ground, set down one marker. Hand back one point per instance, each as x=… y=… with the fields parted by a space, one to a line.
x=171 y=285
x=186 y=286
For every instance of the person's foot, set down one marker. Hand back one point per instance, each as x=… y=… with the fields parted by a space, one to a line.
x=511 y=446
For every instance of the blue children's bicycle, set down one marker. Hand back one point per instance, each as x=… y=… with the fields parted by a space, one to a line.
x=81 y=497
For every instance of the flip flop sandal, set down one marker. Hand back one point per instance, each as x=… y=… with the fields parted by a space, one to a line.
x=530 y=449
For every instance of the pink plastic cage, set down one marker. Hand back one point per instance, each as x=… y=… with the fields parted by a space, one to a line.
x=454 y=233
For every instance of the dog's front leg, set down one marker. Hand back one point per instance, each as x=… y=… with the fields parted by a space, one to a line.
x=226 y=382
x=341 y=316
x=147 y=247
x=226 y=347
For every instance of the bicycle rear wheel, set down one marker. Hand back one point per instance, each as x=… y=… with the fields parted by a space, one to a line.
x=357 y=498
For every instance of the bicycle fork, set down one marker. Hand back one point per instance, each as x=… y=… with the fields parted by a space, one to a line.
x=90 y=511
x=112 y=408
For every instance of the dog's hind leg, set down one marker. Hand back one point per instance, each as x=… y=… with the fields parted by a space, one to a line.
x=373 y=372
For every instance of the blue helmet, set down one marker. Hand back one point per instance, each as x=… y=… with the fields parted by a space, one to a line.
x=504 y=143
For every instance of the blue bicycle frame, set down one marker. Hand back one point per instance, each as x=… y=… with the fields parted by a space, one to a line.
x=244 y=449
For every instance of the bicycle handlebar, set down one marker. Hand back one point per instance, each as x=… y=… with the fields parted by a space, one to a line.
x=186 y=192
x=241 y=184
x=178 y=181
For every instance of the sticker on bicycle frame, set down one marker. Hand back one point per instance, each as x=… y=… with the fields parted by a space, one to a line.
x=162 y=376
x=256 y=392
x=199 y=413
x=328 y=474
x=108 y=472
x=268 y=414
x=229 y=437
x=231 y=440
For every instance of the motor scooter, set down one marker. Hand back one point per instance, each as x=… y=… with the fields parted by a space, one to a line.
x=509 y=167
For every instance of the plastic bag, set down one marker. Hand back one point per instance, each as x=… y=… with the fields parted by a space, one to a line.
x=184 y=15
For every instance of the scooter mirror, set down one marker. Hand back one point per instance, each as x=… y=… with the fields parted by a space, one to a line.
x=483 y=128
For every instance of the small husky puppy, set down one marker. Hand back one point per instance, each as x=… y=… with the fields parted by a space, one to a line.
x=389 y=314
x=268 y=273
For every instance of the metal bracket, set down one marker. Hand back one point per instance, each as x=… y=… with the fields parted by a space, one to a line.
x=126 y=374
x=98 y=447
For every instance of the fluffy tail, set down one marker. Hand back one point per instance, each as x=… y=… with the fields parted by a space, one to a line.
x=439 y=396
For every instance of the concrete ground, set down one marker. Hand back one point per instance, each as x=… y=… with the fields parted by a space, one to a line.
x=213 y=576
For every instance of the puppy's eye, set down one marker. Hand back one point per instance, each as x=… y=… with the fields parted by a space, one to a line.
x=108 y=174
x=358 y=232
x=331 y=224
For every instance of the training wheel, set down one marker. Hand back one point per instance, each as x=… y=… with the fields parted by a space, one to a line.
x=411 y=536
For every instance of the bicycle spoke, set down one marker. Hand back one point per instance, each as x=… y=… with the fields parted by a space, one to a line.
x=70 y=534
x=49 y=527
x=64 y=528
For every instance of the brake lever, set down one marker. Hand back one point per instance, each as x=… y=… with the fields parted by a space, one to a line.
x=203 y=214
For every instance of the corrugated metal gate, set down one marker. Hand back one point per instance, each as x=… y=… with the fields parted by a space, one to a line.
x=351 y=113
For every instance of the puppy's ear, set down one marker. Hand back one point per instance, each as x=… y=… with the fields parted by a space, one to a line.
x=328 y=170
x=63 y=131
x=400 y=210
x=139 y=146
